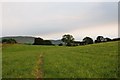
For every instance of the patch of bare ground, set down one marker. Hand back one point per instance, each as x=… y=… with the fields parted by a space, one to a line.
x=38 y=72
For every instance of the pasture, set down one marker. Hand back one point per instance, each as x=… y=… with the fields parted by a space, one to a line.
x=35 y=61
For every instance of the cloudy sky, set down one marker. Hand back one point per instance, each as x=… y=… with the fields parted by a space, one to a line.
x=51 y=20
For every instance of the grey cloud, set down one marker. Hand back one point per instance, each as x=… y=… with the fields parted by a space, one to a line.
x=51 y=18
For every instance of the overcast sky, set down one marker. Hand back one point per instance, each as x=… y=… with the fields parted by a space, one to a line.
x=51 y=20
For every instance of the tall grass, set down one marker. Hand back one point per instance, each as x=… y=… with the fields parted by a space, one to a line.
x=90 y=61
x=0 y=60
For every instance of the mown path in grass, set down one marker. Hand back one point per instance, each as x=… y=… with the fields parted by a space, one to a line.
x=90 y=61
x=19 y=61
x=38 y=71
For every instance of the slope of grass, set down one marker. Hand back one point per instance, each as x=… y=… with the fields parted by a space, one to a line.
x=90 y=61
x=0 y=60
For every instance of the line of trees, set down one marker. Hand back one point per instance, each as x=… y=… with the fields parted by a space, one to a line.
x=69 y=40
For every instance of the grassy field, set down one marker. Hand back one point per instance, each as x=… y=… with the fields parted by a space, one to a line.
x=0 y=61
x=90 y=61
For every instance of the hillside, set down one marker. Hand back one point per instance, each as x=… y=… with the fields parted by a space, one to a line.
x=57 y=42
x=89 y=61
x=28 y=39
x=21 y=39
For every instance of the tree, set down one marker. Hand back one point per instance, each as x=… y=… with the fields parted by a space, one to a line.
x=88 y=40
x=116 y=39
x=60 y=44
x=47 y=42
x=40 y=41
x=108 y=39
x=68 y=39
x=100 y=39
x=9 y=41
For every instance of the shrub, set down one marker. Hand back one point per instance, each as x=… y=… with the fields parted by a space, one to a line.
x=60 y=44
x=9 y=41
x=88 y=40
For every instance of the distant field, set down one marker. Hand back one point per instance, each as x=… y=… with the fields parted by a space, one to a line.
x=90 y=61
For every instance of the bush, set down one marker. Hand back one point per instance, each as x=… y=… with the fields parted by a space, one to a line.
x=88 y=40
x=60 y=44
x=9 y=41
x=47 y=42
x=40 y=41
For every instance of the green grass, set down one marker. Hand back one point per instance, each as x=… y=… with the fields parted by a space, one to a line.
x=0 y=61
x=90 y=61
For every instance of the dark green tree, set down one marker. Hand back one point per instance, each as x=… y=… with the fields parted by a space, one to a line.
x=47 y=42
x=40 y=41
x=68 y=39
x=60 y=44
x=100 y=39
x=108 y=39
x=9 y=41
x=88 y=40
